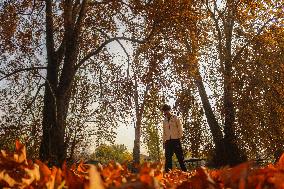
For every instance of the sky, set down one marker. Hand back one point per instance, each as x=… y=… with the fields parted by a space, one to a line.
x=125 y=135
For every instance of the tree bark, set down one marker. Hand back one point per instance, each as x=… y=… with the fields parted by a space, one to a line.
x=219 y=155
x=58 y=88
x=136 y=148
x=139 y=110
x=234 y=154
x=49 y=109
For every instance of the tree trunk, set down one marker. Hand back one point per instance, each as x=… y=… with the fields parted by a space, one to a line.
x=234 y=154
x=49 y=110
x=58 y=88
x=136 y=148
x=53 y=147
x=139 y=110
x=49 y=118
x=56 y=103
x=219 y=155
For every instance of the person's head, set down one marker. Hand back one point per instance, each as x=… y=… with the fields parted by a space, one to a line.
x=166 y=109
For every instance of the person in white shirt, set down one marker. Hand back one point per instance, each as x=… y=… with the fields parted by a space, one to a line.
x=172 y=133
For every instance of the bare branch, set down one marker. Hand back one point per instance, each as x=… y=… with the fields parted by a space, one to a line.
x=123 y=48
x=31 y=103
x=98 y=50
x=3 y=72
x=22 y=70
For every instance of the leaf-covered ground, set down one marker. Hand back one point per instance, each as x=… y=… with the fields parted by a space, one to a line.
x=18 y=172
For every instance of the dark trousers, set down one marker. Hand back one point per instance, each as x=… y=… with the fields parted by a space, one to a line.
x=173 y=146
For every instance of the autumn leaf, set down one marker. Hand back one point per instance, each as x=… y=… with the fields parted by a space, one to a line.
x=281 y=161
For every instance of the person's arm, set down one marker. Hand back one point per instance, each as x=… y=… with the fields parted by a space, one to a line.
x=164 y=136
x=179 y=127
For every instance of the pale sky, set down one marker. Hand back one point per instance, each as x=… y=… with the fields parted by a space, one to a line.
x=125 y=135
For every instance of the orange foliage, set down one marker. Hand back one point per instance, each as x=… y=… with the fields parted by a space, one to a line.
x=18 y=172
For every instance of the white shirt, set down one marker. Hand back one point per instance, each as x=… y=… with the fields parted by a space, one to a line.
x=172 y=129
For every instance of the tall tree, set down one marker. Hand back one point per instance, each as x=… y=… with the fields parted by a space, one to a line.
x=188 y=30
x=180 y=38
x=75 y=33
x=145 y=74
x=258 y=101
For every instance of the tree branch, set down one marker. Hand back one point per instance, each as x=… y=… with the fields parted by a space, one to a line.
x=123 y=48
x=3 y=72
x=257 y=34
x=30 y=13
x=22 y=70
x=32 y=101
x=128 y=58
x=215 y=21
x=98 y=50
x=49 y=29
x=80 y=17
x=220 y=46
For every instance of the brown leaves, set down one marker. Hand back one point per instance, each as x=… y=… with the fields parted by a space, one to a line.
x=281 y=162
x=8 y=25
x=17 y=172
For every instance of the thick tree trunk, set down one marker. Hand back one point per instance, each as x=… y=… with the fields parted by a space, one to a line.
x=58 y=89
x=47 y=151
x=56 y=103
x=234 y=154
x=53 y=147
x=48 y=123
x=219 y=156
